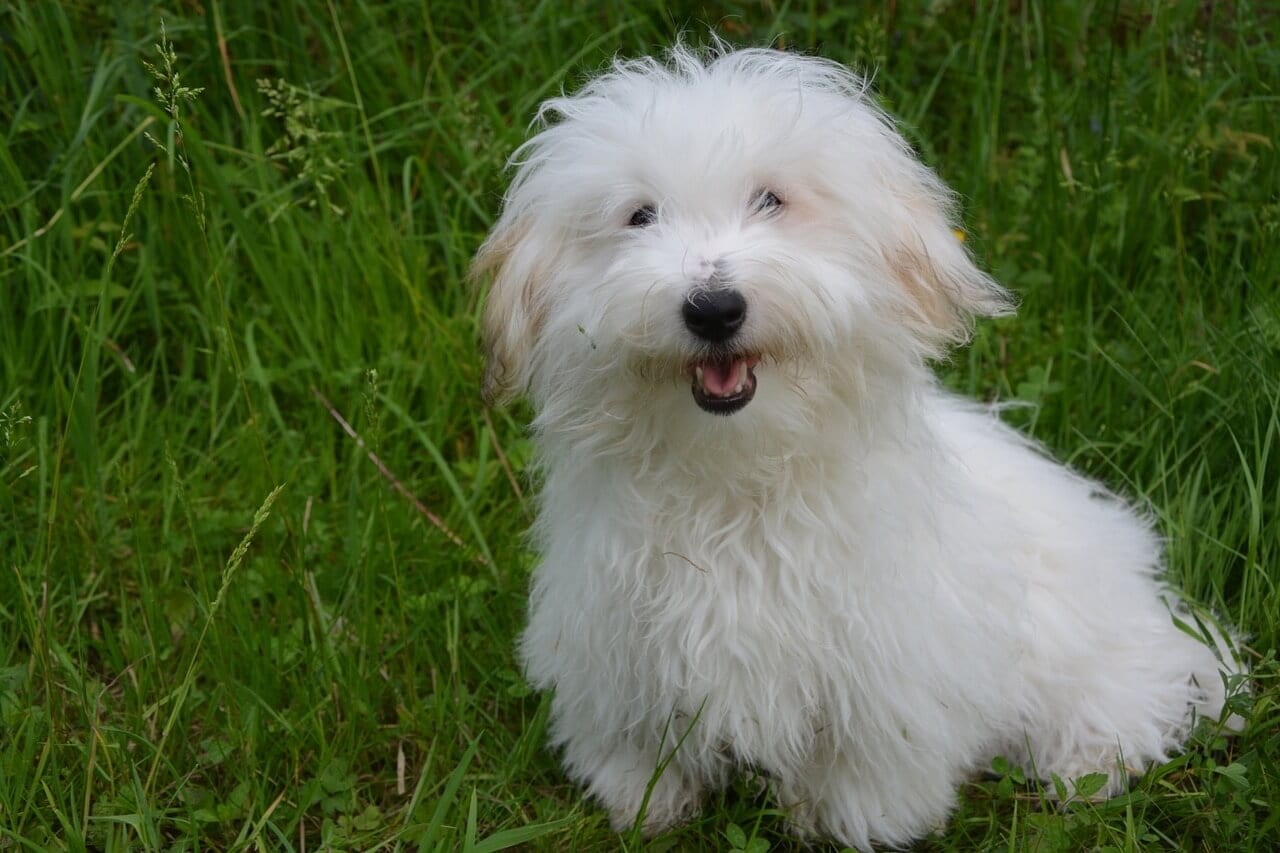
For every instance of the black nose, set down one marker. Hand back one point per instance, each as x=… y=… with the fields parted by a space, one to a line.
x=715 y=314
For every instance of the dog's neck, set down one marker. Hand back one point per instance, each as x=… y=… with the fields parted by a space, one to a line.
x=669 y=441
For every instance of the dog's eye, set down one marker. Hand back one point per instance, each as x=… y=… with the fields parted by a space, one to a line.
x=767 y=201
x=643 y=216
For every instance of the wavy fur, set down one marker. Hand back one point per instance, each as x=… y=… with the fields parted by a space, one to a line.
x=859 y=584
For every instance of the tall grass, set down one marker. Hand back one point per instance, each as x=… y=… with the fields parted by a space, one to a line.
x=180 y=669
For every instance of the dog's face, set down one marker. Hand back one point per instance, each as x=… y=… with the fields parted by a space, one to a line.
x=715 y=230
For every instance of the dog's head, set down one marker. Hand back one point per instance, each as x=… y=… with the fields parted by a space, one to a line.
x=687 y=233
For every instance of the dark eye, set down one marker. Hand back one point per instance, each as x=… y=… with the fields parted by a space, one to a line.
x=643 y=216
x=767 y=201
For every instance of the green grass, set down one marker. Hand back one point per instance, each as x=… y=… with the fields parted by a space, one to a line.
x=180 y=667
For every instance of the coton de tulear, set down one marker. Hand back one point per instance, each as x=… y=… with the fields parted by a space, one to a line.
x=767 y=537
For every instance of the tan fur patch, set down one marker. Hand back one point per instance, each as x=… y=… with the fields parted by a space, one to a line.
x=512 y=314
x=930 y=298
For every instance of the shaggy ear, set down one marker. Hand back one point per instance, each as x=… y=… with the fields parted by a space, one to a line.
x=945 y=291
x=514 y=310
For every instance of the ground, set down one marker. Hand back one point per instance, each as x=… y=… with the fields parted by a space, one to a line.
x=227 y=622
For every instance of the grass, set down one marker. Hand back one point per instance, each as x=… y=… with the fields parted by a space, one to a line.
x=221 y=625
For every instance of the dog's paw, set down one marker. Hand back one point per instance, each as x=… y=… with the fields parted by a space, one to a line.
x=658 y=816
x=672 y=800
x=1085 y=781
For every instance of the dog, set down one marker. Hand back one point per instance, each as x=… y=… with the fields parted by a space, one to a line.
x=767 y=537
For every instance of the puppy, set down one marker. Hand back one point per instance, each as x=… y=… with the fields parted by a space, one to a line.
x=767 y=536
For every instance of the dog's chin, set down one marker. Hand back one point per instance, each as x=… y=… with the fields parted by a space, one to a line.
x=723 y=385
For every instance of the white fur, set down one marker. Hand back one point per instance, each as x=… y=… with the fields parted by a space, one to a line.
x=860 y=585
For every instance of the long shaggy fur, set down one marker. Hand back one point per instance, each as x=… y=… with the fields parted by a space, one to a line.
x=859 y=584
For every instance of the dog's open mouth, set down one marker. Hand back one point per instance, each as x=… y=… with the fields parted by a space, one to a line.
x=724 y=385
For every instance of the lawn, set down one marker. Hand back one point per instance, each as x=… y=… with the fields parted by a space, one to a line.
x=261 y=554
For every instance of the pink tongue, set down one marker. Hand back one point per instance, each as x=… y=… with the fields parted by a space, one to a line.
x=720 y=377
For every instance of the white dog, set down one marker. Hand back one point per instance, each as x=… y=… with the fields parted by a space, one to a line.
x=768 y=538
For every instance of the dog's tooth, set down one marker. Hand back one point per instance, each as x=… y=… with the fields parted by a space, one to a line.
x=698 y=370
x=737 y=389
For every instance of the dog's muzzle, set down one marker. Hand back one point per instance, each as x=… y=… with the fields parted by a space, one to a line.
x=722 y=384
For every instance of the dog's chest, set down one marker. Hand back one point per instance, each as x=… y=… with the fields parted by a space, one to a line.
x=744 y=635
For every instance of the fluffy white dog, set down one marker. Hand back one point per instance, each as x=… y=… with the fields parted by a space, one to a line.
x=768 y=538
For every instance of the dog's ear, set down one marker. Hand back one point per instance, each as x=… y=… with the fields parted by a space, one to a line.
x=944 y=290
x=514 y=311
